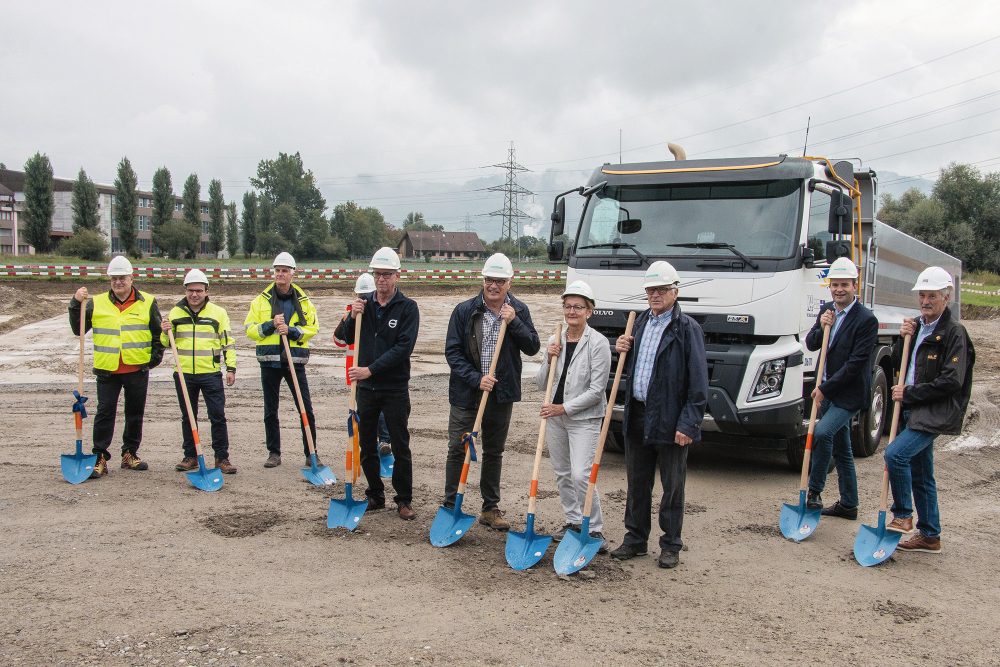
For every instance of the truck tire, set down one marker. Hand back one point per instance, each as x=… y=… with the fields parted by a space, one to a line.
x=866 y=433
x=615 y=442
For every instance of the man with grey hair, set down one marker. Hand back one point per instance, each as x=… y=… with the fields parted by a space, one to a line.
x=934 y=395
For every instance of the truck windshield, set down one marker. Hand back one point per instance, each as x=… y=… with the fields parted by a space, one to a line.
x=759 y=219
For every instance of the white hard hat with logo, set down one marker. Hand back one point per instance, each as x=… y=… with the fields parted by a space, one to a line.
x=659 y=274
x=119 y=266
x=365 y=284
x=842 y=268
x=580 y=288
x=933 y=278
x=196 y=276
x=385 y=258
x=498 y=266
x=284 y=259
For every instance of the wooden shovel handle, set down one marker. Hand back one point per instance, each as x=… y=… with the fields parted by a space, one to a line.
x=184 y=392
x=354 y=459
x=298 y=395
x=553 y=362
x=83 y=324
x=807 y=454
x=897 y=409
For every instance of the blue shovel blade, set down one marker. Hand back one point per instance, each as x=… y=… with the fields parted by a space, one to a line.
x=346 y=513
x=450 y=525
x=318 y=475
x=77 y=468
x=386 y=464
x=525 y=549
x=875 y=545
x=797 y=521
x=206 y=479
x=575 y=551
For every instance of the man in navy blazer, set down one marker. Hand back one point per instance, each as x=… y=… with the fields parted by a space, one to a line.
x=845 y=388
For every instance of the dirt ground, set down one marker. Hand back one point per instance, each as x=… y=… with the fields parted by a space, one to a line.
x=139 y=568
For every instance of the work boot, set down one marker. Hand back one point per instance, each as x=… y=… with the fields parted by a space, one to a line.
x=187 y=464
x=384 y=449
x=904 y=526
x=132 y=461
x=598 y=535
x=814 y=501
x=627 y=551
x=309 y=462
x=494 y=519
x=668 y=559
x=919 y=542
x=561 y=533
x=838 y=510
x=406 y=513
x=273 y=460
x=225 y=466
x=100 y=468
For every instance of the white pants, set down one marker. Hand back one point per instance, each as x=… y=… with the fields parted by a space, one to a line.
x=572 y=444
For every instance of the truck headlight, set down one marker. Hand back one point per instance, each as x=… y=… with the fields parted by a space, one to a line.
x=770 y=378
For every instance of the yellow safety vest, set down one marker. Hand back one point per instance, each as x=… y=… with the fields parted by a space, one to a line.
x=122 y=334
x=202 y=339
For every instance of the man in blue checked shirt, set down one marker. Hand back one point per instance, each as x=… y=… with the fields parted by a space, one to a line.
x=666 y=392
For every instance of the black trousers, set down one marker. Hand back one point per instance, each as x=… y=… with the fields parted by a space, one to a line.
x=109 y=388
x=208 y=385
x=641 y=464
x=490 y=445
x=270 y=383
x=395 y=406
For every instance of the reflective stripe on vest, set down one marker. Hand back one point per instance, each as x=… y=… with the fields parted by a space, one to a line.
x=122 y=333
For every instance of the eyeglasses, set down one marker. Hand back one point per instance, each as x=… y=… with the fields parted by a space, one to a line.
x=662 y=289
x=495 y=281
x=574 y=307
x=384 y=275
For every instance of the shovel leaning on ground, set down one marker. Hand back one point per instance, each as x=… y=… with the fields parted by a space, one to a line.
x=314 y=473
x=525 y=549
x=579 y=548
x=77 y=467
x=451 y=524
x=874 y=544
x=798 y=522
x=347 y=513
x=206 y=479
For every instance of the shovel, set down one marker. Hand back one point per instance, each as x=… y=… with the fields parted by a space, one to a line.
x=347 y=513
x=579 y=548
x=203 y=478
x=874 y=545
x=450 y=525
x=798 y=521
x=525 y=549
x=315 y=474
x=77 y=467
x=386 y=463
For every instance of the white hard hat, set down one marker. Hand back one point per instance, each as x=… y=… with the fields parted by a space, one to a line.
x=842 y=267
x=933 y=278
x=365 y=284
x=385 y=258
x=196 y=276
x=580 y=288
x=119 y=266
x=659 y=274
x=284 y=259
x=498 y=266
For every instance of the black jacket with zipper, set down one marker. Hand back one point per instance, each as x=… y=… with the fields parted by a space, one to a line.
x=386 y=343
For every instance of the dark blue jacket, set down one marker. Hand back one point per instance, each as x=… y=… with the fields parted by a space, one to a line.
x=678 y=388
x=386 y=342
x=848 y=383
x=462 y=347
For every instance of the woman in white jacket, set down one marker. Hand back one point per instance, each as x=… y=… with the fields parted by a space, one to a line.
x=577 y=408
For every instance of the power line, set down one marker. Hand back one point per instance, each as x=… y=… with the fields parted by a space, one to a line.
x=510 y=214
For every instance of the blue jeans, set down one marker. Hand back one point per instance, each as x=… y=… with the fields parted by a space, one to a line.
x=832 y=437
x=910 y=459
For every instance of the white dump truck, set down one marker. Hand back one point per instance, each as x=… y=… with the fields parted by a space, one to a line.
x=752 y=239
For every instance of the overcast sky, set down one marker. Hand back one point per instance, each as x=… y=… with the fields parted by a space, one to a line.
x=404 y=105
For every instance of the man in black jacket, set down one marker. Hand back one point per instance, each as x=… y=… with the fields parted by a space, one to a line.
x=844 y=389
x=665 y=397
x=935 y=394
x=472 y=336
x=388 y=333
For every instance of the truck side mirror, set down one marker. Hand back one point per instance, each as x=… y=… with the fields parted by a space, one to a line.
x=841 y=219
x=629 y=226
x=808 y=256
x=556 y=251
x=837 y=249
x=558 y=218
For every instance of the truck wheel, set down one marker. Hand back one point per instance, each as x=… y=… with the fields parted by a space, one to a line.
x=615 y=442
x=866 y=433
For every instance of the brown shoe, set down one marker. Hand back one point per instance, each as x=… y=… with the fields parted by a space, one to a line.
x=132 y=461
x=100 y=468
x=273 y=460
x=904 y=526
x=187 y=464
x=494 y=519
x=918 y=542
x=225 y=466
x=406 y=513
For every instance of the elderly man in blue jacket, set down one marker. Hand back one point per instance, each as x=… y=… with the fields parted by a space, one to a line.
x=472 y=336
x=665 y=397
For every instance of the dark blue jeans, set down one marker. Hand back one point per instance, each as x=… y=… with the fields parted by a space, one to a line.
x=208 y=385
x=832 y=437
x=270 y=382
x=910 y=459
